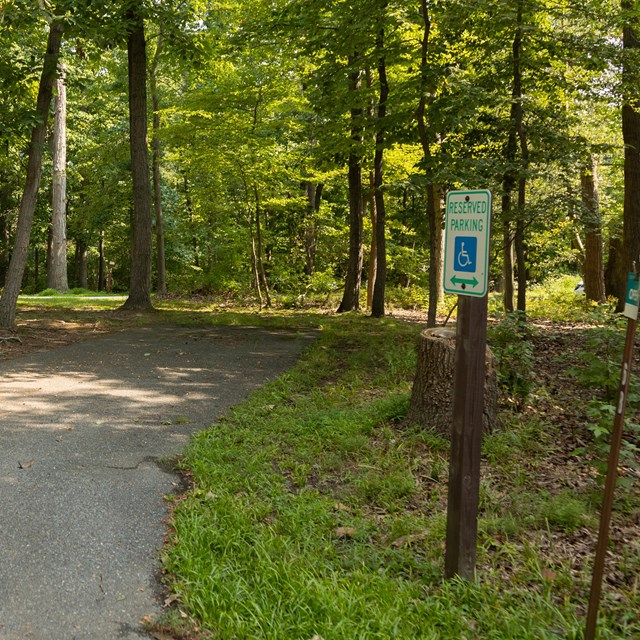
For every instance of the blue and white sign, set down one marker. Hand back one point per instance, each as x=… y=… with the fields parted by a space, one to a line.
x=633 y=293
x=466 y=244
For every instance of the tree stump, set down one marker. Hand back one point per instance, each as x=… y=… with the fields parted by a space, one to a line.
x=431 y=398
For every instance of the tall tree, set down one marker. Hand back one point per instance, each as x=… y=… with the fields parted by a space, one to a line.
x=140 y=281
x=427 y=138
x=377 y=302
x=57 y=263
x=15 y=272
x=161 y=286
x=631 y=137
x=592 y=220
x=351 y=295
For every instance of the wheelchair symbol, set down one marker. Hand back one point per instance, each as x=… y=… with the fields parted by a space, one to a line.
x=463 y=257
x=465 y=253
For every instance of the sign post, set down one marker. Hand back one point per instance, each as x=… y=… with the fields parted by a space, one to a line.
x=631 y=312
x=467 y=233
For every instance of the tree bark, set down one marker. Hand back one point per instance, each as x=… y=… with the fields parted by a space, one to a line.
x=377 y=302
x=140 y=282
x=373 y=251
x=101 y=262
x=518 y=124
x=161 y=275
x=57 y=257
x=351 y=296
x=510 y=179
x=432 y=393
x=15 y=272
x=81 y=271
x=434 y=210
x=631 y=138
x=592 y=220
x=314 y=195
x=614 y=266
x=262 y=275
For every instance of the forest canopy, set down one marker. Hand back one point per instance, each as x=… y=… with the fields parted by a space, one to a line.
x=304 y=148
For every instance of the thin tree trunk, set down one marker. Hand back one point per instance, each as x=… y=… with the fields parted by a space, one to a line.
x=57 y=268
x=426 y=139
x=351 y=296
x=262 y=276
x=189 y=207
x=520 y=247
x=631 y=138
x=373 y=251
x=377 y=304
x=101 y=261
x=314 y=195
x=13 y=282
x=140 y=284
x=510 y=179
x=81 y=263
x=507 y=257
x=593 y=261
x=161 y=286
x=518 y=112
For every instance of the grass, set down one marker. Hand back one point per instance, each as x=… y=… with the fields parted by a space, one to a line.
x=317 y=512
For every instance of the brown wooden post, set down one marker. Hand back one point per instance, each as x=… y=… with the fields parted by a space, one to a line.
x=612 y=474
x=466 y=438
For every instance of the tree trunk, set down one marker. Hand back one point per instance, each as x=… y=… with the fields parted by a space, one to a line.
x=81 y=275
x=377 y=303
x=4 y=242
x=57 y=267
x=520 y=248
x=18 y=262
x=140 y=284
x=436 y=254
x=593 y=262
x=101 y=261
x=518 y=124
x=434 y=209
x=161 y=285
x=373 y=252
x=314 y=195
x=614 y=266
x=507 y=257
x=510 y=179
x=432 y=393
x=351 y=296
x=262 y=276
x=631 y=138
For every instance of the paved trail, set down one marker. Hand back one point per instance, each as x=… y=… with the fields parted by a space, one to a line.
x=85 y=433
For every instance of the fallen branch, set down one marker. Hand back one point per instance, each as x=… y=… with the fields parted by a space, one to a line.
x=10 y=338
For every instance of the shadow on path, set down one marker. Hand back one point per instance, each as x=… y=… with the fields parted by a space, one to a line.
x=85 y=431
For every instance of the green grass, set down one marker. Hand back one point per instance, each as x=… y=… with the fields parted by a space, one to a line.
x=317 y=512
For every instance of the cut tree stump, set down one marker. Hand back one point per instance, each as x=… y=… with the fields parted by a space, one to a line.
x=431 y=397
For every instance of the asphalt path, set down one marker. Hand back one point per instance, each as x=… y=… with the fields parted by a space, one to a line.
x=86 y=435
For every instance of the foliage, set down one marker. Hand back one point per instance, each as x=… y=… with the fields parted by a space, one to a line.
x=605 y=342
x=555 y=299
x=510 y=342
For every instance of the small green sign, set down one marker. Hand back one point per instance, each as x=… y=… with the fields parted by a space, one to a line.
x=631 y=302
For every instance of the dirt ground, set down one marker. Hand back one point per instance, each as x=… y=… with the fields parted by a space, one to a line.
x=35 y=334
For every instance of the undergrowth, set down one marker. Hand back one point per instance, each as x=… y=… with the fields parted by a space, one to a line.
x=318 y=512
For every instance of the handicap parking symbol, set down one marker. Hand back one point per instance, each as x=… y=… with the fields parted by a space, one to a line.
x=465 y=253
